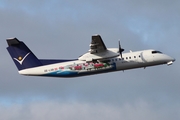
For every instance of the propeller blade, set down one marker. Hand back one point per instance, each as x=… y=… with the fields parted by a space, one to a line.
x=120 y=49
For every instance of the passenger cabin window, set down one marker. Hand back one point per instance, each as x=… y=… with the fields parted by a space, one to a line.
x=154 y=52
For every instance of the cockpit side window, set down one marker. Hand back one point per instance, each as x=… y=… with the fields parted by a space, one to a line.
x=154 y=52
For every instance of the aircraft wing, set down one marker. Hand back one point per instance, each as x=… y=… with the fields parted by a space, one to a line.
x=97 y=45
x=98 y=50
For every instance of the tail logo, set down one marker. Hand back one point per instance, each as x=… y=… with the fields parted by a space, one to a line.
x=20 y=60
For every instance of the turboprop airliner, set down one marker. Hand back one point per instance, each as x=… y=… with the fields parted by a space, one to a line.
x=98 y=59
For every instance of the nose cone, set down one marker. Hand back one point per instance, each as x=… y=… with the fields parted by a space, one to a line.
x=174 y=60
x=170 y=60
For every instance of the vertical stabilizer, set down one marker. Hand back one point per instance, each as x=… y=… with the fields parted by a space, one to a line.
x=22 y=55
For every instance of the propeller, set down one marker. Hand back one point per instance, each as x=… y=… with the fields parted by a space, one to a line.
x=120 y=49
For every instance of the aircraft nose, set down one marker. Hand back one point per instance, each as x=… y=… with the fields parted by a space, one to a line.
x=170 y=60
x=174 y=59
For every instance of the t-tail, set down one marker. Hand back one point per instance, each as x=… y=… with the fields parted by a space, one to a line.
x=22 y=55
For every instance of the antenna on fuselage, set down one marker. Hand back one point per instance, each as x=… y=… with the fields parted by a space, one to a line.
x=120 y=49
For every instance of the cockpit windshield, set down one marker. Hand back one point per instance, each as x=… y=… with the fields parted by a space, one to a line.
x=154 y=52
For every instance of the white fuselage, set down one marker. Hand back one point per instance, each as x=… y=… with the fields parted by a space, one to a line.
x=77 y=68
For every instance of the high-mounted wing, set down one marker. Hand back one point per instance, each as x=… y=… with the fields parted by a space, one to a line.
x=97 y=45
x=98 y=50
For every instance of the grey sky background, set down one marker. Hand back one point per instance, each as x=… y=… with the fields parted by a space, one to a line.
x=63 y=29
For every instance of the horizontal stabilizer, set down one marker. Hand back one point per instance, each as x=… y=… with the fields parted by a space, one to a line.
x=13 y=41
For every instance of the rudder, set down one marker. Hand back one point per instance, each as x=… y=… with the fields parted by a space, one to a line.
x=22 y=55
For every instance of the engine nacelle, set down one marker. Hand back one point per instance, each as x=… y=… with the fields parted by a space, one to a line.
x=109 y=53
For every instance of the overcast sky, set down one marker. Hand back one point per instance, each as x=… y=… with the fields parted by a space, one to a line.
x=62 y=29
